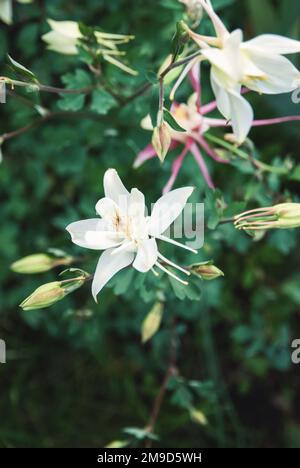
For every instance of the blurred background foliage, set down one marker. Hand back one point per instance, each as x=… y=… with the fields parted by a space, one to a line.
x=77 y=373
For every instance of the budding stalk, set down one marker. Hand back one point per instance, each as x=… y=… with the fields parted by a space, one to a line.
x=50 y=293
x=38 y=263
x=206 y=270
x=161 y=140
x=281 y=216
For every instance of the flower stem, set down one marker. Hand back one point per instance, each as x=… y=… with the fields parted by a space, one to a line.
x=170 y=371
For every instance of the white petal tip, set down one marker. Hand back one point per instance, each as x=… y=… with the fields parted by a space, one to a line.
x=136 y=164
x=95 y=298
x=111 y=170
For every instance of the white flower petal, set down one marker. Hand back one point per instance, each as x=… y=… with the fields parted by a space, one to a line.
x=280 y=74
x=60 y=43
x=274 y=44
x=114 y=188
x=228 y=59
x=108 y=265
x=102 y=240
x=65 y=28
x=220 y=94
x=167 y=209
x=137 y=221
x=219 y=26
x=218 y=58
x=136 y=206
x=107 y=209
x=146 y=123
x=78 y=231
x=146 y=255
x=234 y=107
x=6 y=13
x=241 y=115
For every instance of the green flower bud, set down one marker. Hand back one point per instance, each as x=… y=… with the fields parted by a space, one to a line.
x=44 y=296
x=288 y=215
x=50 y=293
x=152 y=321
x=282 y=216
x=198 y=416
x=206 y=270
x=38 y=263
x=161 y=140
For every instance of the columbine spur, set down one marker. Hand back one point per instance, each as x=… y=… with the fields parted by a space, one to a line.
x=126 y=234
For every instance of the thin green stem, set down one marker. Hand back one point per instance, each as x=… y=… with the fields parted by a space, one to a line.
x=243 y=155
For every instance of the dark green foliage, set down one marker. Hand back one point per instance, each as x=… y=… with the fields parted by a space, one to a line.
x=77 y=373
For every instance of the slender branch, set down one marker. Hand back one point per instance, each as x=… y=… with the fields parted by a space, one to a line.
x=226 y=220
x=21 y=130
x=48 y=89
x=160 y=114
x=170 y=67
x=44 y=118
x=179 y=63
x=170 y=371
x=25 y=101
x=51 y=89
x=139 y=92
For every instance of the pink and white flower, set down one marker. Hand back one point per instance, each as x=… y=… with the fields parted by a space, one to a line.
x=194 y=118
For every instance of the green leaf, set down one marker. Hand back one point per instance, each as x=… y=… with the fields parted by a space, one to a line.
x=168 y=117
x=219 y=4
x=181 y=291
x=234 y=209
x=295 y=175
x=87 y=31
x=21 y=70
x=215 y=206
x=182 y=397
x=71 y=102
x=102 y=101
x=122 y=281
x=140 y=434
x=77 y=80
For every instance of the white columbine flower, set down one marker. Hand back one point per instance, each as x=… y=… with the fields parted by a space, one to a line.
x=65 y=36
x=126 y=235
x=258 y=64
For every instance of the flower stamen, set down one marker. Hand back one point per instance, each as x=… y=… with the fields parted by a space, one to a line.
x=165 y=270
x=169 y=262
x=172 y=241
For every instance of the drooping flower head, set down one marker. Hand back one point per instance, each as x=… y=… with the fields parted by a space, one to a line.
x=258 y=64
x=65 y=36
x=125 y=234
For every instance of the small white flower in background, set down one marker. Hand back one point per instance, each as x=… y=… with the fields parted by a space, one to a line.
x=126 y=235
x=258 y=64
x=6 y=12
x=65 y=36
